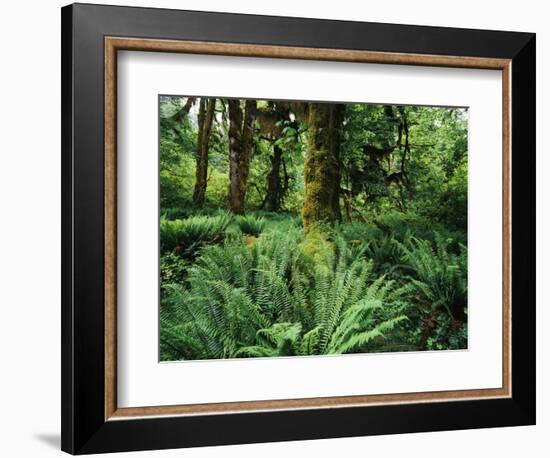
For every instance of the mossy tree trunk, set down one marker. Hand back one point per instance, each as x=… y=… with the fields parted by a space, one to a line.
x=241 y=142
x=205 y=120
x=322 y=168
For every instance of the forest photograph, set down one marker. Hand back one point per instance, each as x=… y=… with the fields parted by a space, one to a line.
x=301 y=228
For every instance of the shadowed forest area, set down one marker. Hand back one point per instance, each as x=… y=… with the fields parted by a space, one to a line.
x=304 y=228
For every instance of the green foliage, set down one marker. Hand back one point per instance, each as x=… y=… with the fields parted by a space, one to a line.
x=439 y=276
x=387 y=272
x=216 y=192
x=186 y=236
x=403 y=225
x=357 y=233
x=345 y=304
x=448 y=334
x=453 y=202
x=172 y=213
x=271 y=300
x=176 y=184
x=386 y=255
x=233 y=292
x=281 y=339
x=251 y=225
x=172 y=268
x=282 y=221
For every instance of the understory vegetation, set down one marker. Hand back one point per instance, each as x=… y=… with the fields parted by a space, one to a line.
x=296 y=229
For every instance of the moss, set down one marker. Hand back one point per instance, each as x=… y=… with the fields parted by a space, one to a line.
x=250 y=240
x=321 y=169
x=241 y=132
x=317 y=244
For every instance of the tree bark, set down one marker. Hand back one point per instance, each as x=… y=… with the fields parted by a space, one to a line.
x=274 y=191
x=241 y=136
x=188 y=104
x=322 y=168
x=184 y=111
x=205 y=119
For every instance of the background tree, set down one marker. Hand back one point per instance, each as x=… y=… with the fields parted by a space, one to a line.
x=178 y=140
x=241 y=136
x=205 y=119
x=280 y=132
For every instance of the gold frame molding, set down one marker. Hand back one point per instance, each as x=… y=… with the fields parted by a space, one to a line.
x=114 y=44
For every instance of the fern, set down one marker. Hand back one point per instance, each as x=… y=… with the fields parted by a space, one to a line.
x=251 y=225
x=347 y=304
x=186 y=236
x=234 y=291
x=440 y=276
x=385 y=255
x=281 y=339
x=271 y=299
x=345 y=309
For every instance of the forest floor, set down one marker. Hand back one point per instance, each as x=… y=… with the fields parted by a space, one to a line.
x=245 y=286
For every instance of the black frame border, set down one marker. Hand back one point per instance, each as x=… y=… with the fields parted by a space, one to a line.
x=84 y=429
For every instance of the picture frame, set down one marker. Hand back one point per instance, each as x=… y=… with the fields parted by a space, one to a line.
x=92 y=35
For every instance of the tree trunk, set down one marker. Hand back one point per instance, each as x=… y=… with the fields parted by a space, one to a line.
x=188 y=104
x=205 y=119
x=241 y=133
x=274 y=191
x=321 y=168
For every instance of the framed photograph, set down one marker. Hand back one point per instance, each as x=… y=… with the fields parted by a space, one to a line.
x=281 y=228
